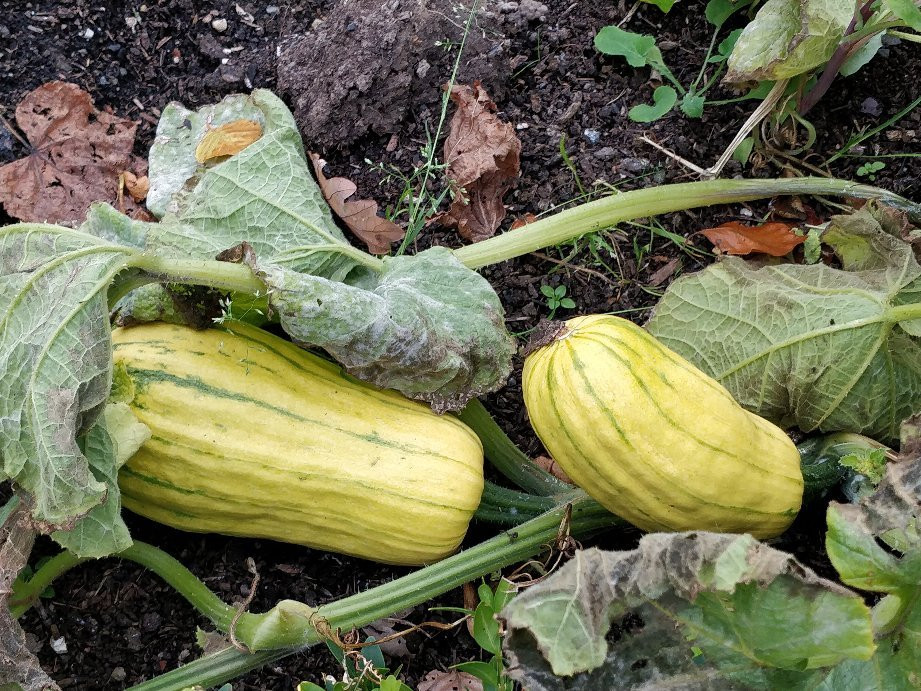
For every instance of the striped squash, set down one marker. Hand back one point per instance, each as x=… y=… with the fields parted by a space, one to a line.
x=655 y=440
x=253 y=436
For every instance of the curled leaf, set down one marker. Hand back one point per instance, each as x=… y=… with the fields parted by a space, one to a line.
x=227 y=139
x=359 y=215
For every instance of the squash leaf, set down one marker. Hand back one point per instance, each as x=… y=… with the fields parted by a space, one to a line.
x=116 y=437
x=811 y=346
x=876 y=546
x=55 y=360
x=787 y=38
x=427 y=325
x=689 y=610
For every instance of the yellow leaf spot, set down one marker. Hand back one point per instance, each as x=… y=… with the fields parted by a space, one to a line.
x=227 y=140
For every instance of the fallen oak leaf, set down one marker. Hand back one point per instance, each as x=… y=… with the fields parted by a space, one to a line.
x=482 y=154
x=228 y=139
x=360 y=215
x=77 y=154
x=776 y=239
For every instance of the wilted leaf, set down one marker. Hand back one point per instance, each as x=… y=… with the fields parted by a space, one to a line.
x=787 y=38
x=227 y=139
x=690 y=610
x=876 y=546
x=77 y=155
x=359 y=215
x=56 y=361
x=776 y=239
x=18 y=666
x=427 y=325
x=482 y=156
x=116 y=437
x=811 y=346
x=452 y=680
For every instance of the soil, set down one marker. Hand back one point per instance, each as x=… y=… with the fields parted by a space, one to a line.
x=121 y=625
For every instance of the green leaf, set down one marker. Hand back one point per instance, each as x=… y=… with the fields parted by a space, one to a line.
x=484 y=671
x=486 y=629
x=744 y=150
x=811 y=346
x=548 y=291
x=664 y=99
x=664 y=5
x=726 y=46
x=116 y=437
x=812 y=247
x=906 y=10
x=787 y=38
x=55 y=361
x=695 y=610
x=692 y=105
x=718 y=11
x=635 y=48
x=862 y=55
x=427 y=326
x=264 y=195
x=876 y=546
x=559 y=291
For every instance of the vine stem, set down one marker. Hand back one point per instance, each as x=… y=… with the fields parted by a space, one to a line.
x=602 y=213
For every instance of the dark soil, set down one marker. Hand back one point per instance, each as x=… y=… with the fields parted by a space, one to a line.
x=122 y=625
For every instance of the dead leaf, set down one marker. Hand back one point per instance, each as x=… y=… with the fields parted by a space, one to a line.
x=382 y=630
x=552 y=467
x=522 y=221
x=775 y=239
x=361 y=215
x=77 y=155
x=137 y=187
x=664 y=273
x=452 y=680
x=228 y=139
x=482 y=155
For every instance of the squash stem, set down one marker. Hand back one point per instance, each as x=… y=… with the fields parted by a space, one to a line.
x=214 y=274
x=625 y=206
x=506 y=457
x=511 y=507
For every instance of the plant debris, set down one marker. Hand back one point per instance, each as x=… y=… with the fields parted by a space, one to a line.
x=776 y=239
x=228 y=139
x=77 y=154
x=482 y=154
x=359 y=215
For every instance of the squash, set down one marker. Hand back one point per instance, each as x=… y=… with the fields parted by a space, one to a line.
x=655 y=440
x=253 y=436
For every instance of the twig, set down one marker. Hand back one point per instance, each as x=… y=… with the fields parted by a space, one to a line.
x=671 y=154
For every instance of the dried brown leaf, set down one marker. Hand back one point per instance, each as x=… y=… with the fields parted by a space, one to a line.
x=360 y=215
x=228 y=139
x=483 y=159
x=77 y=155
x=522 y=221
x=137 y=187
x=776 y=239
x=664 y=273
x=552 y=467
x=452 y=680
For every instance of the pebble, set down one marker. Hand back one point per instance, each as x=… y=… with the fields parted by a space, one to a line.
x=591 y=136
x=59 y=645
x=871 y=106
x=88 y=34
x=605 y=153
x=634 y=165
x=219 y=24
x=271 y=9
x=119 y=674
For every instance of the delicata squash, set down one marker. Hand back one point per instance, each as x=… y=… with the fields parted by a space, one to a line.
x=655 y=440
x=253 y=436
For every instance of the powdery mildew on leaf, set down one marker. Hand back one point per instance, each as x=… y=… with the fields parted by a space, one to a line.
x=427 y=326
x=56 y=360
x=810 y=346
x=787 y=38
x=693 y=610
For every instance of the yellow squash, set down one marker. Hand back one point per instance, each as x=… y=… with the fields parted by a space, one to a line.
x=655 y=440
x=256 y=437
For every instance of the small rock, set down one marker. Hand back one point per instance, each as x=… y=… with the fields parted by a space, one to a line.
x=151 y=622
x=114 y=47
x=314 y=25
x=606 y=153
x=871 y=106
x=507 y=7
x=133 y=639
x=219 y=24
x=271 y=9
x=59 y=645
x=422 y=68
x=591 y=136
x=231 y=73
x=531 y=10
x=634 y=165
x=88 y=33
x=119 y=674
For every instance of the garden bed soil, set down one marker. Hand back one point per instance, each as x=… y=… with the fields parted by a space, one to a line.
x=122 y=625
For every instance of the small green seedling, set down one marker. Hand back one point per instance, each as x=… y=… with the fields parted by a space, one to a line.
x=488 y=636
x=870 y=169
x=556 y=298
x=365 y=672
